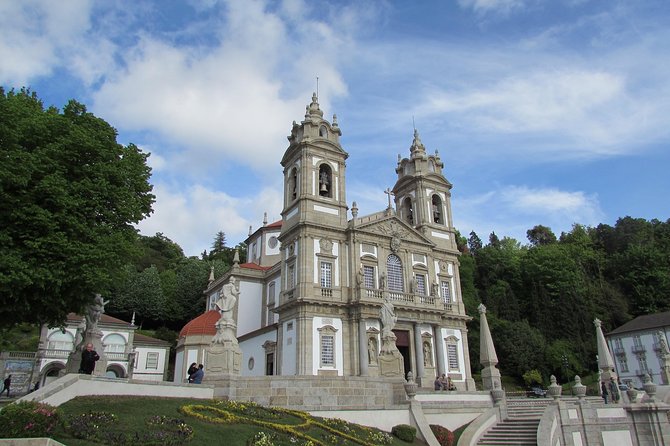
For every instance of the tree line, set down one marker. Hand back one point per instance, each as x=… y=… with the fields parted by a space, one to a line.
x=542 y=297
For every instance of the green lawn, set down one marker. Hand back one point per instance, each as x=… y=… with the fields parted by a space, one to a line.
x=140 y=421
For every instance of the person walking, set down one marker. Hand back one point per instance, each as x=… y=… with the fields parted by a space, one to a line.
x=614 y=391
x=603 y=390
x=6 y=384
x=88 y=358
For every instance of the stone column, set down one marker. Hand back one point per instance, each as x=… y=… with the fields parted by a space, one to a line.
x=487 y=353
x=439 y=344
x=605 y=362
x=363 y=347
x=418 y=347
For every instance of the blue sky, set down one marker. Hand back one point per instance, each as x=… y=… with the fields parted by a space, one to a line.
x=547 y=112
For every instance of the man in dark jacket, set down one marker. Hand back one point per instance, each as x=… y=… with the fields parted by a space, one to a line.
x=88 y=358
x=6 y=384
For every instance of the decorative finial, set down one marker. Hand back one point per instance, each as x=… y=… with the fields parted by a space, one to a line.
x=265 y=218
x=211 y=275
x=236 y=257
x=334 y=120
x=481 y=308
x=354 y=209
x=250 y=231
x=132 y=320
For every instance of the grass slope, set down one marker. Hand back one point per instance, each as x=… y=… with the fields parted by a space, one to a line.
x=138 y=421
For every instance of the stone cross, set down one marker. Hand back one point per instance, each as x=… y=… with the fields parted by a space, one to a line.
x=389 y=193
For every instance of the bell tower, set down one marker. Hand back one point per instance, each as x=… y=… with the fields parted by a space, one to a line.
x=423 y=195
x=314 y=172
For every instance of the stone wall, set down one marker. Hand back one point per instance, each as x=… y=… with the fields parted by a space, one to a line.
x=313 y=392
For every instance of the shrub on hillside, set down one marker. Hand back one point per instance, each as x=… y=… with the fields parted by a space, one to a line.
x=444 y=436
x=28 y=419
x=405 y=432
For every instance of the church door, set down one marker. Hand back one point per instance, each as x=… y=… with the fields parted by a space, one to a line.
x=403 y=344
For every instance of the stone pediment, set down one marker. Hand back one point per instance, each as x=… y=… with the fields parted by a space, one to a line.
x=395 y=229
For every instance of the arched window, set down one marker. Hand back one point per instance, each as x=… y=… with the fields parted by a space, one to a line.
x=325 y=181
x=408 y=211
x=323 y=131
x=293 y=184
x=114 y=343
x=61 y=341
x=437 y=209
x=394 y=274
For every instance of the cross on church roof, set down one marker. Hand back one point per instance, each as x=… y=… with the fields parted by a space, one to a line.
x=389 y=192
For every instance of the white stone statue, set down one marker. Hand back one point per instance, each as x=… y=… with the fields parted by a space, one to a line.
x=388 y=317
x=227 y=299
x=94 y=312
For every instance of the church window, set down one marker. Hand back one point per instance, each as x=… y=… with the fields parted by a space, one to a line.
x=437 y=210
x=326 y=275
x=446 y=292
x=270 y=317
x=369 y=276
x=152 y=360
x=114 y=343
x=420 y=284
x=452 y=356
x=327 y=350
x=408 y=211
x=270 y=364
x=61 y=341
x=394 y=272
x=327 y=344
x=325 y=181
x=293 y=184
x=323 y=131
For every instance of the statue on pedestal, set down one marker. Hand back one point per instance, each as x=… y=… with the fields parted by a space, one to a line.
x=224 y=355
x=390 y=360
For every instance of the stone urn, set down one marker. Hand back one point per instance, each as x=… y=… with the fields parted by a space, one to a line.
x=649 y=388
x=554 y=390
x=410 y=386
x=497 y=393
x=579 y=389
x=632 y=395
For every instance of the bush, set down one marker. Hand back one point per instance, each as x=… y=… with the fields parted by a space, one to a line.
x=444 y=436
x=405 y=432
x=28 y=419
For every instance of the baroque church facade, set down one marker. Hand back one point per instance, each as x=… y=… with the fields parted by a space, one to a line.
x=314 y=283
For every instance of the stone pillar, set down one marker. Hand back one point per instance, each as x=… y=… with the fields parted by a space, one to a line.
x=223 y=356
x=439 y=350
x=418 y=347
x=605 y=362
x=363 y=347
x=487 y=353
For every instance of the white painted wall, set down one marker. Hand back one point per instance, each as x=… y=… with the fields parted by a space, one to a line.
x=253 y=348
x=150 y=374
x=179 y=367
x=249 y=307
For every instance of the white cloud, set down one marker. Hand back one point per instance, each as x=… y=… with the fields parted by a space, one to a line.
x=485 y=6
x=191 y=216
x=38 y=36
x=512 y=210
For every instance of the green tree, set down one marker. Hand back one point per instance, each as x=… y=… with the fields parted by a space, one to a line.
x=69 y=194
x=540 y=235
x=160 y=251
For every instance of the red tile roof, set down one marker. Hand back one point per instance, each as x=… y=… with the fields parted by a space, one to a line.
x=201 y=325
x=104 y=318
x=276 y=224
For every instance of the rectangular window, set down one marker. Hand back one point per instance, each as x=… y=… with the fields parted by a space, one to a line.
x=452 y=356
x=152 y=360
x=642 y=359
x=326 y=275
x=420 y=285
x=623 y=363
x=637 y=341
x=369 y=277
x=327 y=350
x=446 y=292
x=271 y=293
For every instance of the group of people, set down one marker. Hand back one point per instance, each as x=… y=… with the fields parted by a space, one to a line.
x=610 y=391
x=196 y=373
x=443 y=382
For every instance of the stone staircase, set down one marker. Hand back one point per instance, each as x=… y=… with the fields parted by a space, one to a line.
x=520 y=426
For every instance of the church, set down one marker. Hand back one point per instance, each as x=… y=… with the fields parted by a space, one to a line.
x=316 y=284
